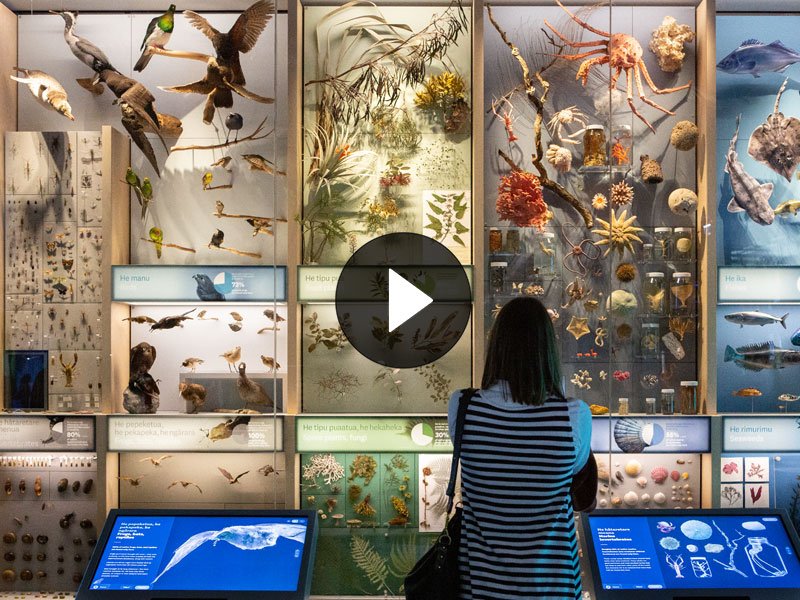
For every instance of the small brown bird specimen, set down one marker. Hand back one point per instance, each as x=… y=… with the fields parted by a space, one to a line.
x=184 y=484
x=232 y=356
x=172 y=321
x=259 y=163
x=231 y=479
x=134 y=481
x=141 y=319
x=250 y=391
x=270 y=362
x=236 y=316
x=191 y=363
x=223 y=163
x=194 y=393
x=201 y=316
x=267 y=469
x=273 y=316
x=219 y=206
x=156 y=461
x=235 y=326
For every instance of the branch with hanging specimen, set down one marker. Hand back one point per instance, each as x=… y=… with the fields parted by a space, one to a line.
x=168 y=245
x=235 y=251
x=538 y=101
x=256 y=135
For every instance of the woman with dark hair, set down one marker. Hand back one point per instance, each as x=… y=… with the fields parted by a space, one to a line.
x=523 y=442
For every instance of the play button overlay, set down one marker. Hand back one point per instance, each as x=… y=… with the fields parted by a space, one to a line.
x=403 y=300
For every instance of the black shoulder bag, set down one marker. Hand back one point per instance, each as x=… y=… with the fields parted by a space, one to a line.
x=435 y=576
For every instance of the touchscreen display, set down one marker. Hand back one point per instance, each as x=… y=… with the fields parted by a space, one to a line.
x=202 y=553
x=640 y=552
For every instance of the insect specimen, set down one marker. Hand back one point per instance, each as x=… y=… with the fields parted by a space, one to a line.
x=68 y=370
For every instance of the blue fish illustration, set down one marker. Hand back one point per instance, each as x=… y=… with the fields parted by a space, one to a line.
x=756 y=357
x=754 y=57
x=796 y=338
x=748 y=195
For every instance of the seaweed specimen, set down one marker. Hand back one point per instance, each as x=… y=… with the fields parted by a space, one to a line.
x=445 y=219
x=364 y=508
x=354 y=492
x=680 y=326
x=363 y=466
x=400 y=507
x=538 y=100
x=338 y=384
x=371 y=562
x=732 y=545
x=435 y=381
x=332 y=338
x=731 y=495
x=325 y=466
x=445 y=95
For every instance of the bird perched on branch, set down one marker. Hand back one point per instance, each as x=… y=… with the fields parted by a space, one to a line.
x=158 y=33
x=47 y=91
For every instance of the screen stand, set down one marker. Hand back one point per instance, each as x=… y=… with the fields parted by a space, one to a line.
x=710 y=598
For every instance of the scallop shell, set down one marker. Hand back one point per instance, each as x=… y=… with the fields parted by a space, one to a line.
x=631 y=498
x=642 y=481
x=675 y=475
x=659 y=474
x=659 y=498
x=603 y=503
x=644 y=498
x=633 y=467
x=633 y=436
x=617 y=501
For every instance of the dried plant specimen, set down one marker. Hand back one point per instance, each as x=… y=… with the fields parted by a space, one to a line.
x=618 y=234
x=364 y=467
x=331 y=338
x=776 y=143
x=680 y=326
x=445 y=94
x=446 y=216
x=394 y=129
x=364 y=508
x=390 y=379
x=325 y=466
x=338 y=384
x=435 y=381
x=371 y=563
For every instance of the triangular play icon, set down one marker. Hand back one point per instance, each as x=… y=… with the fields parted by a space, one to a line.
x=405 y=300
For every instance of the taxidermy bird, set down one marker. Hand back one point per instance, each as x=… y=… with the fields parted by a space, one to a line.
x=231 y=479
x=232 y=356
x=273 y=316
x=261 y=164
x=158 y=33
x=225 y=430
x=156 y=461
x=219 y=206
x=141 y=319
x=191 y=363
x=236 y=316
x=172 y=321
x=134 y=481
x=138 y=112
x=251 y=392
x=233 y=122
x=47 y=91
x=267 y=469
x=145 y=388
x=201 y=316
x=143 y=355
x=223 y=163
x=235 y=327
x=270 y=363
x=260 y=225
x=206 y=290
x=194 y=393
x=85 y=51
x=217 y=238
x=157 y=236
x=184 y=484
x=147 y=198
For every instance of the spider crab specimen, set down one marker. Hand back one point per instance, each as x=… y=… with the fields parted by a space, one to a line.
x=623 y=53
x=567 y=116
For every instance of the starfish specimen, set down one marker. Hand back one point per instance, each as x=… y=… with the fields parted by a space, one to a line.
x=619 y=234
x=578 y=327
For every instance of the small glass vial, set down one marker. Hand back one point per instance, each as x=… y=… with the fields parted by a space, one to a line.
x=653 y=291
x=667 y=401
x=688 y=398
x=594 y=146
x=648 y=255
x=649 y=341
x=649 y=406
x=495 y=240
x=622 y=406
x=662 y=246
x=497 y=276
x=682 y=289
x=544 y=253
x=512 y=241
x=683 y=243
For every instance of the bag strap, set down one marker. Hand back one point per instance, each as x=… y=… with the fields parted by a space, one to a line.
x=463 y=404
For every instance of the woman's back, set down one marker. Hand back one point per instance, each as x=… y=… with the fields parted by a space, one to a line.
x=517 y=463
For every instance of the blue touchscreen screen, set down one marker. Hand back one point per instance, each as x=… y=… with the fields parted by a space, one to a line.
x=678 y=552
x=202 y=553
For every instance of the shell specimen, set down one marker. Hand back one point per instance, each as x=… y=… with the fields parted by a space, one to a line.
x=10 y=537
x=633 y=467
x=633 y=436
x=660 y=498
x=618 y=234
x=667 y=44
x=62 y=485
x=631 y=498
x=599 y=201
x=621 y=194
x=559 y=157
x=642 y=482
x=776 y=143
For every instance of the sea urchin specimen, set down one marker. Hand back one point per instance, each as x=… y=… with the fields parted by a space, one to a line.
x=626 y=272
x=621 y=194
x=618 y=234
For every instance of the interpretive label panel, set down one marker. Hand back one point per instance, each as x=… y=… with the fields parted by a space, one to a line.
x=19 y=433
x=652 y=434
x=760 y=434
x=162 y=433
x=758 y=284
x=372 y=434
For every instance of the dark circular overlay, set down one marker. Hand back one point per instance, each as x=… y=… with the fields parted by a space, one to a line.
x=362 y=300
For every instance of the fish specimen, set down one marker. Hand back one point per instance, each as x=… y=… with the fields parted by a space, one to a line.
x=156 y=461
x=754 y=57
x=618 y=234
x=621 y=52
x=243 y=537
x=134 y=481
x=748 y=195
x=194 y=393
x=231 y=479
x=251 y=392
x=192 y=363
x=788 y=397
x=232 y=356
x=172 y=321
x=270 y=362
x=84 y=50
x=47 y=91
x=747 y=392
x=206 y=290
x=267 y=469
x=756 y=357
x=141 y=320
x=158 y=32
x=225 y=430
x=755 y=317
x=143 y=355
x=787 y=206
x=776 y=143
x=184 y=484
x=259 y=163
x=795 y=339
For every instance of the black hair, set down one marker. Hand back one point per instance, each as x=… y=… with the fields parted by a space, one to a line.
x=522 y=351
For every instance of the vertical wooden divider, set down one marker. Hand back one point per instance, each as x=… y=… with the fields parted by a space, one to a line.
x=478 y=237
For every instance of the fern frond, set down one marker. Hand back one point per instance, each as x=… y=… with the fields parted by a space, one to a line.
x=368 y=560
x=403 y=556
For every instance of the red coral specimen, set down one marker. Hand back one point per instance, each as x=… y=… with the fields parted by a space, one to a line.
x=622 y=375
x=520 y=200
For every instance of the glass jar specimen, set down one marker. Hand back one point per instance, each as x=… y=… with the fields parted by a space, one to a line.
x=683 y=243
x=688 y=398
x=544 y=252
x=653 y=291
x=594 y=146
x=682 y=289
x=663 y=244
x=667 y=401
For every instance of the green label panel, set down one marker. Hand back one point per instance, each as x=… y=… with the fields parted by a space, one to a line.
x=371 y=434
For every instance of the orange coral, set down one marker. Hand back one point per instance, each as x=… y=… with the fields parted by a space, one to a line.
x=521 y=201
x=620 y=152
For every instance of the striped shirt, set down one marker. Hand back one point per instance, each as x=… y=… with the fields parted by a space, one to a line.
x=518 y=530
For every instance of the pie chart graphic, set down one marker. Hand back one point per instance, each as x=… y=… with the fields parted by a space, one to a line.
x=422 y=434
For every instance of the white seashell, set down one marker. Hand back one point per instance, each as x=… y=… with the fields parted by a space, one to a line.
x=631 y=498
x=645 y=498
x=659 y=498
x=642 y=481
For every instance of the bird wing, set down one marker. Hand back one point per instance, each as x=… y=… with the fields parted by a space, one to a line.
x=244 y=33
x=173 y=484
x=225 y=473
x=245 y=93
x=141 y=141
x=186 y=548
x=198 y=87
x=150 y=28
x=201 y=24
x=197 y=486
x=165 y=457
x=141 y=101
x=150 y=320
x=240 y=475
x=89 y=48
x=150 y=458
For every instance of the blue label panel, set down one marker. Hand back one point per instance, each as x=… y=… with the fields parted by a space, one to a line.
x=634 y=435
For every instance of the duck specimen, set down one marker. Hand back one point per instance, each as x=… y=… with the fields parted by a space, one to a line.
x=158 y=33
x=251 y=392
x=47 y=91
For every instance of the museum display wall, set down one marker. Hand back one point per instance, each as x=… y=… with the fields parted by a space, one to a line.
x=175 y=226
